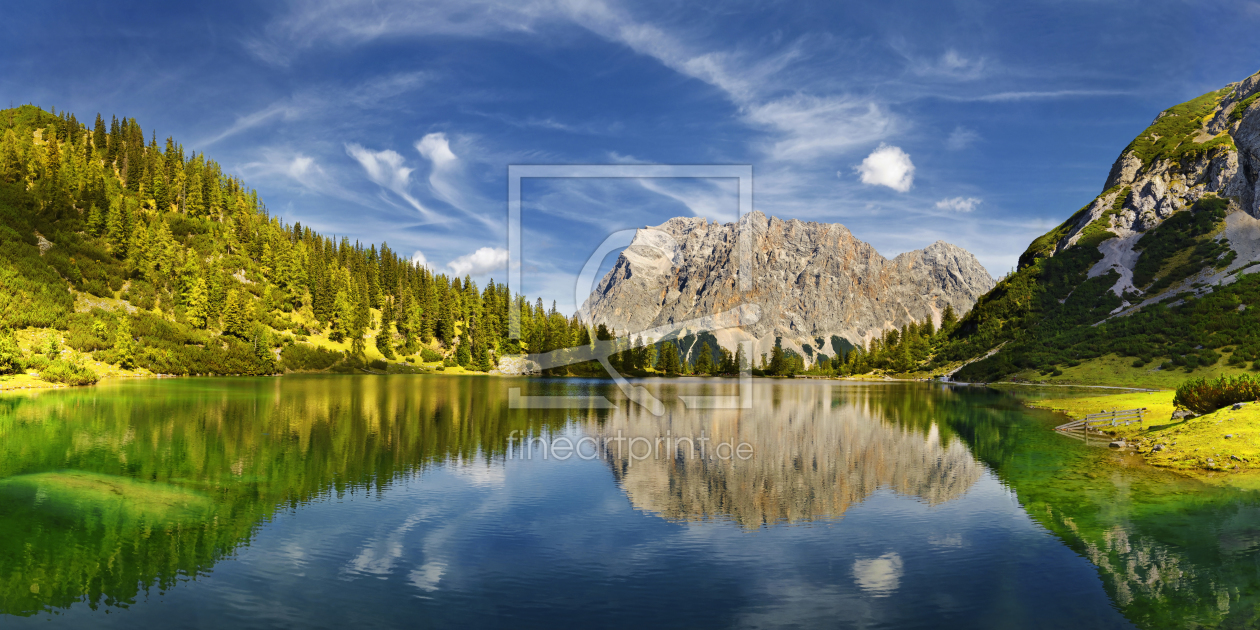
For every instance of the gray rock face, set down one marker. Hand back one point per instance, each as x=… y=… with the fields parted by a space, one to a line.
x=810 y=280
x=1164 y=187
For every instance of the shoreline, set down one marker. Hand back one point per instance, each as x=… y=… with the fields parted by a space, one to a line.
x=1226 y=441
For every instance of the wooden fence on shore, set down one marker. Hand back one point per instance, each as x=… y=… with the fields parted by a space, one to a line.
x=1115 y=417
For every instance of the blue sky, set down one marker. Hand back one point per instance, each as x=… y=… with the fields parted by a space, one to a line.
x=396 y=121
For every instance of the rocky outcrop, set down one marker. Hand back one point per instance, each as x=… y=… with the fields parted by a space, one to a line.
x=812 y=281
x=1207 y=147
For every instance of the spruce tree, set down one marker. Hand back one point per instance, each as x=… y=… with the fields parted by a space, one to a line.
x=10 y=353
x=383 y=343
x=948 y=319
x=96 y=220
x=199 y=304
x=669 y=362
x=704 y=361
x=235 y=315
x=484 y=363
x=124 y=344
x=98 y=134
x=118 y=227
x=343 y=316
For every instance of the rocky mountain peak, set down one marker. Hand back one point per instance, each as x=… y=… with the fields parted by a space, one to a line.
x=817 y=286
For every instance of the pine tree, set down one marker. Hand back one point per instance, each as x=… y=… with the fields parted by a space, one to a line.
x=98 y=135
x=903 y=361
x=12 y=158
x=383 y=344
x=704 y=362
x=778 y=361
x=669 y=362
x=260 y=339
x=118 y=226
x=10 y=353
x=193 y=203
x=949 y=319
x=199 y=304
x=343 y=316
x=236 y=318
x=96 y=220
x=124 y=344
x=484 y=364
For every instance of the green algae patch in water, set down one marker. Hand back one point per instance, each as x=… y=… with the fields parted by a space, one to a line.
x=73 y=536
x=108 y=496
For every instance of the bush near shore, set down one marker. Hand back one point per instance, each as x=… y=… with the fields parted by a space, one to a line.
x=1203 y=396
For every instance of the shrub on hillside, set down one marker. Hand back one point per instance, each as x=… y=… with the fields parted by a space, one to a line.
x=428 y=355
x=68 y=372
x=301 y=356
x=10 y=353
x=1202 y=395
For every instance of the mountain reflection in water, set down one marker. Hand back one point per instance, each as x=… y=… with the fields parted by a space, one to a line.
x=815 y=453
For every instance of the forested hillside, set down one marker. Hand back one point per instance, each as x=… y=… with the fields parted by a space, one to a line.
x=120 y=253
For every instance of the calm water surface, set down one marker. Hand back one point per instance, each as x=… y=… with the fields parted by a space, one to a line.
x=396 y=502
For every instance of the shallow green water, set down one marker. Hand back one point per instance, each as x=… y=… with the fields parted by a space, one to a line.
x=327 y=501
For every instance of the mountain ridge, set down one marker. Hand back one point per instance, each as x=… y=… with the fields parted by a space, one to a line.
x=819 y=287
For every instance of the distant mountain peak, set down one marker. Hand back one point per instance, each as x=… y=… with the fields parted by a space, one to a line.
x=813 y=281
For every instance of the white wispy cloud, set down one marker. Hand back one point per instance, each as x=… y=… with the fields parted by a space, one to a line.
x=959 y=204
x=419 y=259
x=386 y=169
x=811 y=127
x=887 y=166
x=1033 y=95
x=804 y=124
x=480 y=262
x=372 y=91
x=282 y=110
x=961 y=138
x=298 y=168
x=950 y=65
x=446 y=178
x=715 y=199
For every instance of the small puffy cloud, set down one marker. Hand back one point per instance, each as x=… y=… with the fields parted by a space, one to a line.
x=887 y=166
x=437 y=149
x=480 y=262
x=958 y=204
x=419 y=260
x=961 y=138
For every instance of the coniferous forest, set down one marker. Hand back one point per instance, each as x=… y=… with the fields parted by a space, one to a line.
x=118 y=250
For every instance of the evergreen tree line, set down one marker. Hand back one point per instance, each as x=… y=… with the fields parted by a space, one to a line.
x=173 y=235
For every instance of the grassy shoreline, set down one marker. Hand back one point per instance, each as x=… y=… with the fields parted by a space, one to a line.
x=1226 y=440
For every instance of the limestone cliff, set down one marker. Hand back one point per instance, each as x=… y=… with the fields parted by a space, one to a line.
x=1207 y=148
x=812 y=282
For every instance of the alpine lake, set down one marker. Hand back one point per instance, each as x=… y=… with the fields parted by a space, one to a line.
x=417 y=501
